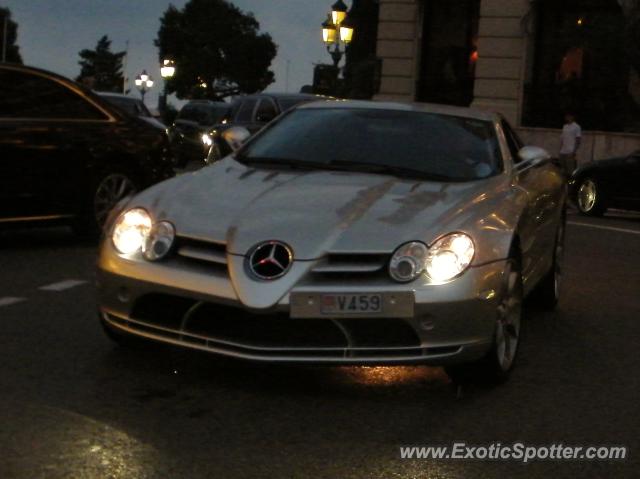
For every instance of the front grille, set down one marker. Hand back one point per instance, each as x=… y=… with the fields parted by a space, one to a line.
x=350 y=267
x=240 y=332
x=211 y=254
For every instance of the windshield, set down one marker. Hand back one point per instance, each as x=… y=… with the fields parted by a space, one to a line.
x=130 y=105
x=406 y=143
x=204 y=114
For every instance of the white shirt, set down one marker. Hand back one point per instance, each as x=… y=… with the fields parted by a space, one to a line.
x=570 y=134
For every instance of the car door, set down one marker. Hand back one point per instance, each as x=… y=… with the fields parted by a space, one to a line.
x=627 y=181
x=542 y=185
x=47 y=131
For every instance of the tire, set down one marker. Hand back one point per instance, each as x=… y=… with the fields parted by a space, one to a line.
x=496 y=366
x=107 y=190
x=590 y=198
x=547 y=292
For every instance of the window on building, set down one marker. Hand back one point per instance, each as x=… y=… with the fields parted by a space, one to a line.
x=449 y=51
x=580 y=65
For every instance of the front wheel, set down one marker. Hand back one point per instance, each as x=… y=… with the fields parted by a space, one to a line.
x=107 y=190
x=496 y=366
x=589 y=198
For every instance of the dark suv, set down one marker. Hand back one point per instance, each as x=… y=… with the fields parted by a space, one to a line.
x=194 y=120
x=253 y=112
x=68 y=155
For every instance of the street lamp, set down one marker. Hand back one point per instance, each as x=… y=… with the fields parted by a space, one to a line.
x=337 y=31
x=144 y=83
x=167 y=71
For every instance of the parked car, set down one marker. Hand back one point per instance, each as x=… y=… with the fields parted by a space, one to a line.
x=194 y=120
x=605 y=184
x=346 y=233
x=132 y=106
x=251 y=112
x=66 y=154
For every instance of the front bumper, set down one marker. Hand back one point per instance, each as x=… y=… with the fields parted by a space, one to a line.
x=452 y=323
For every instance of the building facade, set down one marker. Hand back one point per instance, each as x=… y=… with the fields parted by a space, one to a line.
x=531 y=60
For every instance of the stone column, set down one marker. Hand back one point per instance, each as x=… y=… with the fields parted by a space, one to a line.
x=398 y=39
x=501 y=49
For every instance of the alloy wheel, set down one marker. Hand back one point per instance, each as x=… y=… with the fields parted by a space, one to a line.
x=509 y=321
x=587 y=196
x=111 y=189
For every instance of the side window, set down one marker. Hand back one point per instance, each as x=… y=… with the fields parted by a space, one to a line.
x=513 y=141
x=25 y=95
x=245 y=113
x=267 y=111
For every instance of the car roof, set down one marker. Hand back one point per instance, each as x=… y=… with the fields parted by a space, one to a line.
x=462 y=112
x=116 y=95
x=81 y=89
x=279 y=96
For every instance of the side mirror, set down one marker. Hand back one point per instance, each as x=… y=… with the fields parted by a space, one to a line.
x=235 y=137
x=533 y=155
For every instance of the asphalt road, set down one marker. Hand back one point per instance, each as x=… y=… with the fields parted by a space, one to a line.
x=74 y=406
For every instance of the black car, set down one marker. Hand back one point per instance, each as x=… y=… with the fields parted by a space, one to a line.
x=253 y=112
x=604 y=184
x=132 y=106
x=194 y=120
x=68 y=155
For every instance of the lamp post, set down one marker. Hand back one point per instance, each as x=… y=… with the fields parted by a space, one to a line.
x=144 y=83
x=167 y=70
x=337 y=31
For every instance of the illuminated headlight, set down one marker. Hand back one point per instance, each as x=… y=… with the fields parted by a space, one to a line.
x=159 y=241
x=449 y=257
x=408 y=262
x=131 y=230
x=206 y=139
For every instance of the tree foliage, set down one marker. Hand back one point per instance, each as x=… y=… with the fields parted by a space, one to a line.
x=101 y=68
x=12 y=51
x=217 y=48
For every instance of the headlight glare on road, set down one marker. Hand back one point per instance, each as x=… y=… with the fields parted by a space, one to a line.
x=449 y=257
x=408 y=262
x=159 y=241
x=131 y=230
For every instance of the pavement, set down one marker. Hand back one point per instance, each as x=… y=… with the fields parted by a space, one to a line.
x=73 y=405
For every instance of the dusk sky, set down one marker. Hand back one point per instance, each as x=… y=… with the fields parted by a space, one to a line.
x=52 y=32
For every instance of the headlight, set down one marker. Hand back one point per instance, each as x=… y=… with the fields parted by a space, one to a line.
x=206 y=139
x=408 y=262
x=131 y=230
x=449 y=257
x=159 y=241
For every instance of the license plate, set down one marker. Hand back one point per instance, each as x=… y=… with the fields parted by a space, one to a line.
x=351 y=304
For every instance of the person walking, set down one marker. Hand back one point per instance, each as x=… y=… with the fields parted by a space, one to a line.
x=570 y=143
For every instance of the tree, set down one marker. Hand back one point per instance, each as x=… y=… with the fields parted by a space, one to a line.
x=217 y=48
x=102 y=68
x=12 y=51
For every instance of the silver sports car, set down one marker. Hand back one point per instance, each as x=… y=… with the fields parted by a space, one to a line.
x=345 y=233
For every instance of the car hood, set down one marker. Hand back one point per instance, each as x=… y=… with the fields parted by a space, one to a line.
x=316 y=212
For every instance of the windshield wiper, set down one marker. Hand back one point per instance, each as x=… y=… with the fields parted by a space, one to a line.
x=389 y=170
x=342 y=165
x=267 y=162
